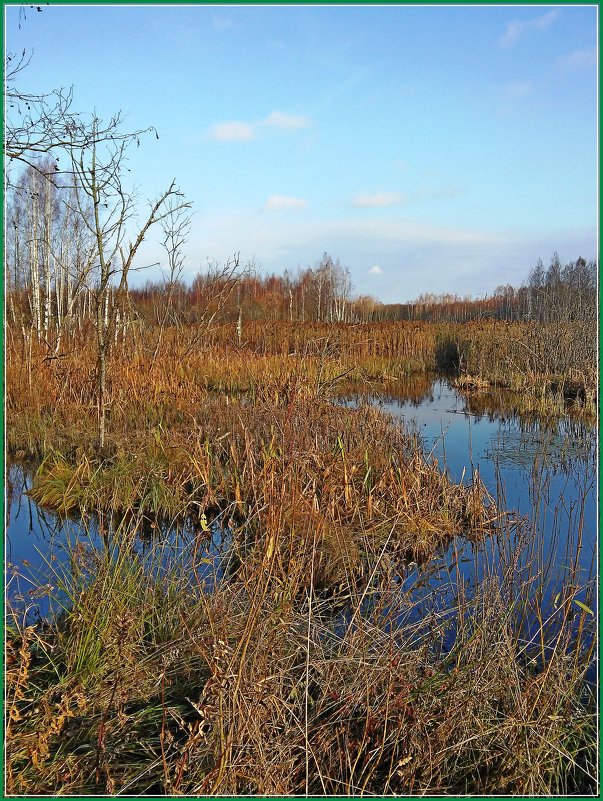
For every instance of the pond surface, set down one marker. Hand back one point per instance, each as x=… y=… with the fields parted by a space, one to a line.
x=544 y=473
x=41 y=546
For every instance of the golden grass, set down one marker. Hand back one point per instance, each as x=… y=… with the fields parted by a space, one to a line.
x=148 y=684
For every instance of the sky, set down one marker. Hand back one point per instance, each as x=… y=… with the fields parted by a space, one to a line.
x=428 y=148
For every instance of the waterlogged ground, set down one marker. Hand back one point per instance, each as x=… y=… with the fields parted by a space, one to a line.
x=544 y=473
x=42 y=548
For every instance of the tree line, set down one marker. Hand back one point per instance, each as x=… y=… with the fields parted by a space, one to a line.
x=53 y=276
x=323 y=293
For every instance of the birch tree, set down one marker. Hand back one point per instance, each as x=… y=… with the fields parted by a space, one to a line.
x=117 y=236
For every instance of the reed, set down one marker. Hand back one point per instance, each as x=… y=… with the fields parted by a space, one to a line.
x=146 y=683
x=308 y=663
x=51 y=402
x=346 y=472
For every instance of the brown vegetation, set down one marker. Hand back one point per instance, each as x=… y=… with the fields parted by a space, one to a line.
x=149 y=684
x=308 y=668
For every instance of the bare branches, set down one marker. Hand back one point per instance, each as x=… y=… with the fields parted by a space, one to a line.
x=176 y=225
x=212 y=292
x=39 y=130
x=40 y=125
x=97 y=169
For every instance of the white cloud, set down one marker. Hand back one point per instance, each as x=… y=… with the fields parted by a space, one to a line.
x=410 y=255
x=244 y=131
x=516 y=28
x=579 y=58
x=379 y=200
x=298 y=238
x=221 y=23
x=286 y=122
x=232 y=132
x=284 y=203
x=376 y=270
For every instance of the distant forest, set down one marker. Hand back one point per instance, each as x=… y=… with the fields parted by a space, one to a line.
x=52 y=277
x=561 y=292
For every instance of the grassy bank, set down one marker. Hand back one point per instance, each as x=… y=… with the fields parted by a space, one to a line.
x=344 y=474
x=148 y=684
x=312 y=667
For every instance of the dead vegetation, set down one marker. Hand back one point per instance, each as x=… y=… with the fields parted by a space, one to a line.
x=311 y=667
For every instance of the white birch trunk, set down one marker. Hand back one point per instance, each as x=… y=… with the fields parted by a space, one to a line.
x=34 y=268
x=47 y=257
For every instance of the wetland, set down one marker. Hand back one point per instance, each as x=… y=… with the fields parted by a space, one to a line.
x=313 y=573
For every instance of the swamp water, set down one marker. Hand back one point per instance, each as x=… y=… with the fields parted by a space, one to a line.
x=543 y=473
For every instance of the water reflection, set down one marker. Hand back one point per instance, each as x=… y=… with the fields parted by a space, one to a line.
x=455 y=434
x=411 y=390
x=43 y=549
x=497 y=403
x=543 y=471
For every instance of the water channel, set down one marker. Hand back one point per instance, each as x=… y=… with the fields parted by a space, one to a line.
x=543 y=473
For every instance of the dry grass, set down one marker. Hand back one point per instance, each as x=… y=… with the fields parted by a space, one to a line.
x=149 y=684
x=51 y=402
x=310 y=668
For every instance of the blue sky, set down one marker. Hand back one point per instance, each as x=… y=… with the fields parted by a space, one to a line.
x=430 y=149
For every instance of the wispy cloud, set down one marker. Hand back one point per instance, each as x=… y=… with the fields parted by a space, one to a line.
x=221 y=23
x=376 y=270
x=579 y=59
x=434 y=194
x=284 y=203
x=511 y=95
x=232 y=132
x=407 y=251
x=378 y=200
x=517 y=28
x=298 y=239
x=241 y=131
x=286 y=122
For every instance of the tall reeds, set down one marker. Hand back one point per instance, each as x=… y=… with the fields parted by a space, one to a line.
x=311 y=664
x=51 y=400
x=148 y=683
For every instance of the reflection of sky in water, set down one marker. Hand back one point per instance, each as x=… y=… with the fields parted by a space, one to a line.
x=39 y=547
x=501 y=448
x=548 y=477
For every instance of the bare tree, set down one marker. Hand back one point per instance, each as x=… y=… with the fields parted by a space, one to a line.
x=97 y=170
x=39 y=125
x=212 y=292
x=176 y=225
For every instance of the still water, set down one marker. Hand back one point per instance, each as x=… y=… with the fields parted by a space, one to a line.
x=544 y=474
x=43 y=548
